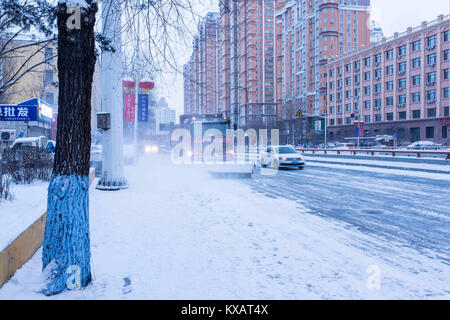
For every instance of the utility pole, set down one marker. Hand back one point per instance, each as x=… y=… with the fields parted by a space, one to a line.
x=138 y=77
x=112 y=100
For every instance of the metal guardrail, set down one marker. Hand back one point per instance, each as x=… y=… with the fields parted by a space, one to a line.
x=372 y=152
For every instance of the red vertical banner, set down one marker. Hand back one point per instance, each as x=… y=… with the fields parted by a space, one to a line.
x=129 y=100
x=130 y=107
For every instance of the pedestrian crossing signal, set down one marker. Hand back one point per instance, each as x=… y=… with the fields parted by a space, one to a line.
x=299 y=113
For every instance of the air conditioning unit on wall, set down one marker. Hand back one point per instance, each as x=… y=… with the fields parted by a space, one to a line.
x=7 y=135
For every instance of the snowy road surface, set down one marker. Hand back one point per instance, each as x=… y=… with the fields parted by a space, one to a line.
x=320 y=233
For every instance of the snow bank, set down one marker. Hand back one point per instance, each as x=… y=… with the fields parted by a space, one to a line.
x=29 y=204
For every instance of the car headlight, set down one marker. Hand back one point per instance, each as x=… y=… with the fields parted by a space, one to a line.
x=283 y=159
x=302 y=158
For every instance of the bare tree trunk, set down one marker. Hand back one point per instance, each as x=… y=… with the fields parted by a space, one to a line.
x=66 y=248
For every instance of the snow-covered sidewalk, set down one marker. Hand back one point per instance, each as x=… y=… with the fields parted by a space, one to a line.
x=177 y=233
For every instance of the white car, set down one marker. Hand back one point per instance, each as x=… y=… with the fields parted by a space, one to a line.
x=424 y=145
x=282 y=156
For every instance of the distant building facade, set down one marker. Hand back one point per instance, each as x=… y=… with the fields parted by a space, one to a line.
x=399 y=86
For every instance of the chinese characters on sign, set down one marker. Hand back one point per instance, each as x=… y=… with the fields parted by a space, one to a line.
x=143 y=107
x=18 y=113
x=130 y=100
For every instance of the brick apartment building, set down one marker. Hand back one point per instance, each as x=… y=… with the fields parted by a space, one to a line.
x=399 y=86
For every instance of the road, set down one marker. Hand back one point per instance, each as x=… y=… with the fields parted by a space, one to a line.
x=408 y=211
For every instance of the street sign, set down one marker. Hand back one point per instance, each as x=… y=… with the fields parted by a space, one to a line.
x=18 y=113
x=353 y=115
x=299 y=113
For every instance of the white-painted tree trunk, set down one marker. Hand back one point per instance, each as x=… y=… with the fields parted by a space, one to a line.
x=112 y=100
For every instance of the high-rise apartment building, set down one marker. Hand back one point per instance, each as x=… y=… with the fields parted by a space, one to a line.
x=201 y=72
x=247 y=64
x=309 y=33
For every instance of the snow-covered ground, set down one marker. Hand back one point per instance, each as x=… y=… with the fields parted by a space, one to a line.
x=177 y=233
x=29 y=204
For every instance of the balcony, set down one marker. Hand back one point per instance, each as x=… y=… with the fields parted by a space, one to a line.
x=401 y=105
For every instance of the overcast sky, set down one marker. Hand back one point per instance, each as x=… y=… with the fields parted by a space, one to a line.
x=391 y=15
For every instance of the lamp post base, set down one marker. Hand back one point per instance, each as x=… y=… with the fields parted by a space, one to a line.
x=112 y=184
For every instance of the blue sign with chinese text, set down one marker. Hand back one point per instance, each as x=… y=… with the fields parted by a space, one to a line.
x=143 y=107
x=18 y=113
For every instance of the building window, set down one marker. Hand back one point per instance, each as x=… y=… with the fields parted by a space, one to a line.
x=430 y=132
x=431 y=96
x=431 y=78
x=402 y=83
x=378 y=58
x=48 y=76
x=367 y=75
x=389 y=101
x=331 y=122
x=348 y=67
x=48 y=53
x=348 y=81
x=389 y=70
x=377 y=74
x=446 y=74
x=378 y=117
x=446 y=54
x=416 y=114
x=389 y=54
x=357 y=79
x=402 y=115
x=377 y=104
x=402 y=99
x=444 y=132
x=416 y=45
x=446 y=93
x=348 y=107
x=446 y=111
x=431 y=42
x=367 y=62
x=416 y=63
x=446 y=35
x=340 y=121
x=431 y=59
x=378 y=88
x=431 y=113
x=367 y=90
x=402 y=50
x=416 y=97
x=348 y=120
x=357 y=65
x=390 y=85
x=390 y=116
x=367 y=104
x=402 y=67
x=416 y=80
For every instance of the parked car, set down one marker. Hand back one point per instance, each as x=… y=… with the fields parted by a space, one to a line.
x=36 y=142
x=282 y=156
x=424 y=145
